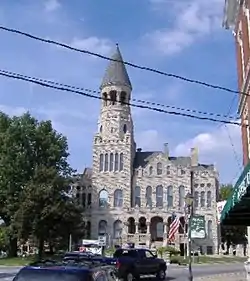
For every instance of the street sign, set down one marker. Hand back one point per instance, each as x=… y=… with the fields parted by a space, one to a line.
x=102 y=240
x=197 y=227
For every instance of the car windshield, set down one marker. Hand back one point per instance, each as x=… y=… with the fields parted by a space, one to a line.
x=48 y=275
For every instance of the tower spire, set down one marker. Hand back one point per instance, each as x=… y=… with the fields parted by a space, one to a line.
x=116 y=73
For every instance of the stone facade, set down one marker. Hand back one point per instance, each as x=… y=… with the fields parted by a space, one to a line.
x=134 y=193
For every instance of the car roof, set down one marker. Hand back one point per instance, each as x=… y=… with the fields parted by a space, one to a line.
x=58 y=268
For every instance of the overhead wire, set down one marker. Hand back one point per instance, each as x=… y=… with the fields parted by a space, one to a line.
x=89 y=93
x=63 y=45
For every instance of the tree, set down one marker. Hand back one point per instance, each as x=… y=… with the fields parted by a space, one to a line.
x=225 y=191
x=31 y=152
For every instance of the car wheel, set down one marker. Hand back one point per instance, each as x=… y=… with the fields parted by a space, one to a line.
x=161 y=274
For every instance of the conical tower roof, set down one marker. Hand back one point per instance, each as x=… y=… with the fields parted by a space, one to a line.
x=116 y=73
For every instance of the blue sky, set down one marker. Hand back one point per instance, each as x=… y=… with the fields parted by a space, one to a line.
x=181 y=37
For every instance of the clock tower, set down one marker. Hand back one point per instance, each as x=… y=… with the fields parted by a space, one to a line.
x=114 y=147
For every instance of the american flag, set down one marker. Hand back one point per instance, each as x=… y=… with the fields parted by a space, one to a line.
x=173 y=229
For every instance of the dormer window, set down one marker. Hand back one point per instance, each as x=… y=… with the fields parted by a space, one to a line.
x=159 y=168
x=105 y=98
x=113 y=97
x=123 y=97
x=124 y=128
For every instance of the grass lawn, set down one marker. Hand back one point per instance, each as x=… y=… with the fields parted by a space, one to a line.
x=16 y=261
x=208 y=259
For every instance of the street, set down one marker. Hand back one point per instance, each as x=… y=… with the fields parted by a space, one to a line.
x=177 y=273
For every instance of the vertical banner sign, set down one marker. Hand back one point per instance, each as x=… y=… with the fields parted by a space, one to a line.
x=197 y=227
x=220 y=206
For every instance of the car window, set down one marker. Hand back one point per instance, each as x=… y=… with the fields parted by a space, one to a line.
x=47 y=275
x=149 y=254
x=100 y=276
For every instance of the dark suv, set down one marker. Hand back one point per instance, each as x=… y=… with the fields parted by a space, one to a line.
x=66 y=271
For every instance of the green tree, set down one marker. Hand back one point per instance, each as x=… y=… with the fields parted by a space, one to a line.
x=32 y=153
x=225 y=191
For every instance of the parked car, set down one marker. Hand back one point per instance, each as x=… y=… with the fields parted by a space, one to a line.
x=70 y=270
x=133 y=263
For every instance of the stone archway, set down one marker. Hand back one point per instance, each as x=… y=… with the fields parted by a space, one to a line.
x=131 y=225
x=142 y=227
x=156 y=228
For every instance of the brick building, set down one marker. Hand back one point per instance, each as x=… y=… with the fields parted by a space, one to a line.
x=237 y=19
x=130 y=194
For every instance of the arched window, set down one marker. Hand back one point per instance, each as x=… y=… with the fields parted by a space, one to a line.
x=117 y=229
x=149 y=196
x=150 y=170
x=111 y=162
x=159 y=230
x=105 y=98
x=124 y=128
x=106 y=162
x=196 y=199
x=116 y=161
x=159 y=196
x=137 y=196
x=202 y=201
x=209 y=230
x=123 y=97
x=100 y=128
x=209 y=199
x=121 y=161
x=113 y=99
x=159 y=168
x=103 y=198
x=102 y=227
x=101 y=163
x=170 y=197
x=118 y=198
x=181 y=196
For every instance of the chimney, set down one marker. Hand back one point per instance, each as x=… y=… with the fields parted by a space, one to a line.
x=194 y=157
x=166 y=150
x=139 y=150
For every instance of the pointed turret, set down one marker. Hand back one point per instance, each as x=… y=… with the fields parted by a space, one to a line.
x=116 y=73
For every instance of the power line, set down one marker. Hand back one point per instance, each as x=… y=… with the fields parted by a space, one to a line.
x=133 y=99
x=19 y=32
x=77 y=90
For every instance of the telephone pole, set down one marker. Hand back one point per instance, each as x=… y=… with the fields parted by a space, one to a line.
x=190 y=215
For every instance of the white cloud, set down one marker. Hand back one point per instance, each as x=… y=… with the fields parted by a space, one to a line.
x=52 y=5
x=193 y=19
x=221 y=147
x=93 y=44
x=149 y=140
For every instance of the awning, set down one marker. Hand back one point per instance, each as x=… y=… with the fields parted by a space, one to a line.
x=237 y=208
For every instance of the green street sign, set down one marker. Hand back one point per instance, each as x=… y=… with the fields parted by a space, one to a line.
x=197 y=227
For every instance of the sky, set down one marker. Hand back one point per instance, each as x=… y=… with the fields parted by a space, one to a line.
x=181 y=37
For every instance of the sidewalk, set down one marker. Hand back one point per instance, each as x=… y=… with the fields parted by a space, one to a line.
x=238 y=276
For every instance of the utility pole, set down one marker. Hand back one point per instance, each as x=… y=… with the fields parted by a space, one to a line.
x=191 y=213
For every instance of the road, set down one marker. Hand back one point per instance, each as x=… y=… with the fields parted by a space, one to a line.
x=181 y=273
x=176 y=273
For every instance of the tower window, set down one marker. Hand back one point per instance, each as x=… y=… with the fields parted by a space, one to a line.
x=112 y=95
x=123 y=97
x=106 y=162
x=124 y=128
x=101 y=163
x=111 y=162
x=121 y=161
x=100 y=128
x=105 y=98
x=116 y=162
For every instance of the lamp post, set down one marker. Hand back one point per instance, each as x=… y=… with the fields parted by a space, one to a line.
x=189 y=203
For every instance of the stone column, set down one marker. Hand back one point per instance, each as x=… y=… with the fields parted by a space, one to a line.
x=165 y=227
x=148 y=227
x=125 y=228
x=136 y=227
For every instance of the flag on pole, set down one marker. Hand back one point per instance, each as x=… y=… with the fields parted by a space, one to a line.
x=174 y=226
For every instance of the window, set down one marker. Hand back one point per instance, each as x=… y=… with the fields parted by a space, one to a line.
x=137 y=196
x=102 y=227
x=159 y=230
x=149 y=196
x=202 y=201
x=101 y=163
x=121 y=161
x=105 y=98
x=103 y=198
x=159 y=169
x=150 y=170
x=209 y=199
x=170 y=198
x=181 y=196
x=111 y=162
x=168 y=170
x=117 y=229
x=209 y=185
x=106 y=162
x=112 y=95
x=89 y=201
x=209 y=230
x=182 y=172
x=123 y=97
x=159 y=196
x=84 y=200
x=116 y=162
x=124 y=128
x=196 y=199
x=100 y=128
x=118 y=198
